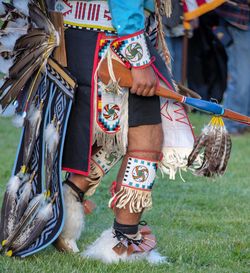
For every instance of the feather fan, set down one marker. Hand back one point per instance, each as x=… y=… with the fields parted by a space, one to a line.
x=30 y=51
x=215 y=144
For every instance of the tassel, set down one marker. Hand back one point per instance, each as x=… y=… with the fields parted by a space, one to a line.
x=138 y=200
x=162 y=40
x=215 y=143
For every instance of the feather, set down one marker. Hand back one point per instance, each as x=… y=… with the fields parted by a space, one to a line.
x=40 y=19
x=217 y=148
x=8 y=41
x=32 y=127
x=5 y=65
x=18 y=120
x=8 y=211
x=30 y=51
x=24 y=198
x=22 y=6
x=26 y=219
x=2 y=9
x=34 y=229
x=52 y=141
x=17 y=85
x=32 y=39
x=226 y=154
x=20 y=25
x=198 y=145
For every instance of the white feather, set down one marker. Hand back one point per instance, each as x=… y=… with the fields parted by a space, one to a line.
x=20 y=25
x=8 y=41
x=9 y=111
x=1 y=110
x=22 y=6
x=18 y=120
x=13 y=184
x=5 y=65
x=51 y=137
x=1 y=82
x=2 y=9
x=102 y=250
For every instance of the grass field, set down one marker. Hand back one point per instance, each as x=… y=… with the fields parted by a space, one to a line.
x=201 y=225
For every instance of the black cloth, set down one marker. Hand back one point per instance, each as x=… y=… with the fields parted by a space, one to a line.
x=81 y=47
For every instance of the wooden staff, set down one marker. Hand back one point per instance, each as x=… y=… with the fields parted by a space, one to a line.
x=123 y=75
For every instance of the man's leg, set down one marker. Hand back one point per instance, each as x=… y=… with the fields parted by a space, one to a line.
x=237 y=95
x=126 y=241
x=75 y=188
x=143 y=142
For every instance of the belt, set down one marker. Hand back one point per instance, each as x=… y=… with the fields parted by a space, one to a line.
x=92 y=15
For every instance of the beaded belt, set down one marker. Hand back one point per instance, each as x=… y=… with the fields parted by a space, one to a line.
x=92 y=15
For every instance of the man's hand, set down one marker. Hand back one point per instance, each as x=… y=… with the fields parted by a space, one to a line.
x=145 y=81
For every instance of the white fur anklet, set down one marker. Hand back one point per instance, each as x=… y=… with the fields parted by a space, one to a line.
x=102 y=249
x=74 y=222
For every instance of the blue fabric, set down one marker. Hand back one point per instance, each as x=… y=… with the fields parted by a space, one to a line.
x=175 y=45
x=237 y=96
x=128 y=16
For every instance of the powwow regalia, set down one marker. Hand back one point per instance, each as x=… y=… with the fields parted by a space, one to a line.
x=89 y=138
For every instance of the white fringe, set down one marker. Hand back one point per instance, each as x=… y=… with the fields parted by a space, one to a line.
x=137 y=200
x=102 y=250
x=175 y=161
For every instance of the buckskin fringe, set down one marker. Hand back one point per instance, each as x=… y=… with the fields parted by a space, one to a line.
x=137 y=200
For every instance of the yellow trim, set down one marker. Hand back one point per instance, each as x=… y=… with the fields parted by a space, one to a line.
x=62 y=73
x=89 y=26
x=186 y=25
x=202 y=9
x=9 y=253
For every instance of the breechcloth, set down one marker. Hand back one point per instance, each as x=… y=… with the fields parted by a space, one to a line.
x=83 y=47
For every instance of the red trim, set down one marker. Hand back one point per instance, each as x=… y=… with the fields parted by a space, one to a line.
x=169 y=85
x=162 y=77
x=75 y=171
x=144 y=66
x=130 y=35
x=93 y=85
x=146 y=159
